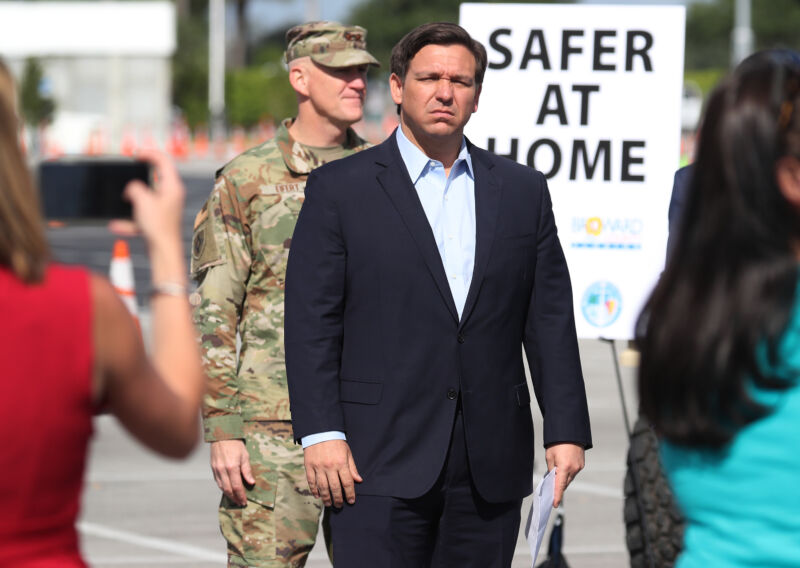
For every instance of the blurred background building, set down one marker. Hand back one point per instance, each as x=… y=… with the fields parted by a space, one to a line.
x=106 y=67
x=109 y=76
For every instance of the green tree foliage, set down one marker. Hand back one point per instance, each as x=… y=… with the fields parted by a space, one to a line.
x=776 y=23
x=706 y=79
x=190 y=64
x=708 y=34
x=709 y=25
x=255 y=92
x=387 y=21
x=37 y=108
x=260 y=92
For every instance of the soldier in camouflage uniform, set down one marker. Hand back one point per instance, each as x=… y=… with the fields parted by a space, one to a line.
x=240 y=248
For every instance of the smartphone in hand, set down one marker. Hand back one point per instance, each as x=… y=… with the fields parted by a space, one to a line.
x=89 y=189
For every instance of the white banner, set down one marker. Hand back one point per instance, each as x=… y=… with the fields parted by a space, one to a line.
x=591 y=97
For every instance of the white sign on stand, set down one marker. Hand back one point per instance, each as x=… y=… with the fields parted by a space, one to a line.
x=590 y=95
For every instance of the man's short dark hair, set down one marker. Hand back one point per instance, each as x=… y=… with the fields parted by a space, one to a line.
x=436 y=33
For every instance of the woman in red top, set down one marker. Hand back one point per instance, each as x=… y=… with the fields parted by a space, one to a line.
x=69 y=345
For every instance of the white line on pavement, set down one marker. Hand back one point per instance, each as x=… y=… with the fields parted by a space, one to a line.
x=140 y=560
x=523 y=550
x=604 y=467
x=187 y=550
x=596 y=549
x=595 y=489
x=147 y=476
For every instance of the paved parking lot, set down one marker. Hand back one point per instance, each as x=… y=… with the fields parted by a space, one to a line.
x=142 y=510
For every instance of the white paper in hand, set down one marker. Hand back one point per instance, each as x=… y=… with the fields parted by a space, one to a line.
x=540 y=512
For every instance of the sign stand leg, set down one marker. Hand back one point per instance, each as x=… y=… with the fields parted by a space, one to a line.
x=631 y=465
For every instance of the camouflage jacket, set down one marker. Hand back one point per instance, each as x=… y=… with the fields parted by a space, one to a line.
x=239 y=252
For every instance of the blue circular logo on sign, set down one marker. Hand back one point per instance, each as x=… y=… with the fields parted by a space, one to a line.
x=601 y=304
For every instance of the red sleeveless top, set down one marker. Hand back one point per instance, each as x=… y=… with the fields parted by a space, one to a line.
x=46 y=415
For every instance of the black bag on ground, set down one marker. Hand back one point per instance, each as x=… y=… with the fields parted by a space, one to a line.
x=653 y=523
x=554 y=557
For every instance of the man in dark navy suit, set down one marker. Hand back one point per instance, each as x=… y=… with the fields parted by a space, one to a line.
x=418 y=270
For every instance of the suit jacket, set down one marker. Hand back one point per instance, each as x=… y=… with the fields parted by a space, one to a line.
x=680 y=187
x=374 y=345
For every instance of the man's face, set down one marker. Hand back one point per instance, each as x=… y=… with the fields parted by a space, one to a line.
x=439 y=92
x=338 y=93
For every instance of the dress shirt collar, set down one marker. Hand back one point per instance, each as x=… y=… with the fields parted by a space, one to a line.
x=416 y=161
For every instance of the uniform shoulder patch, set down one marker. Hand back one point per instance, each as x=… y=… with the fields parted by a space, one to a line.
x=205 y=252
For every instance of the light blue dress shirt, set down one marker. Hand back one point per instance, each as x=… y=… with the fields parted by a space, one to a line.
x=449 y=205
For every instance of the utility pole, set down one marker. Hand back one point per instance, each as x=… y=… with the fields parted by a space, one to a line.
x=216 y=68
x=742 y=34
x=312 y=11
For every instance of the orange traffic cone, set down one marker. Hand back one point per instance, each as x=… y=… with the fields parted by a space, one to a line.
x=266 y=130
x=129 y=144
x=239 y=140
x=220 y=147
x=121 y=275
x=201 y=143
x=94 y=145
x=178 y=143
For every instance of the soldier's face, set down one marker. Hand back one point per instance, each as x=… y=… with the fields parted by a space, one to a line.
x=338 y=93
x=438 y=94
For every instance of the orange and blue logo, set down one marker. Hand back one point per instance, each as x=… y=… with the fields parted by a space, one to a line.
x=601 y=303
x=607 y=232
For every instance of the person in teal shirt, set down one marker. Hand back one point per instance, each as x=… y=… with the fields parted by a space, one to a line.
x=719 y=377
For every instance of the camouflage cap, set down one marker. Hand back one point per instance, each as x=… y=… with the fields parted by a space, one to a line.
x=329 y=43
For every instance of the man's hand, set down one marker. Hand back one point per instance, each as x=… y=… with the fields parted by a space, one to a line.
x=330 y=470
x=230 y=464
x=569 y=460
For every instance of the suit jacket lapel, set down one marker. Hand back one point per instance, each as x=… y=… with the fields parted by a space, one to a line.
x=487 y=203
x=397 y=184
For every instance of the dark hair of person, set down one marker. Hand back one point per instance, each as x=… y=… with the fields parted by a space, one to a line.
x=709 y=332
x=23 y=246
x=436 y=33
